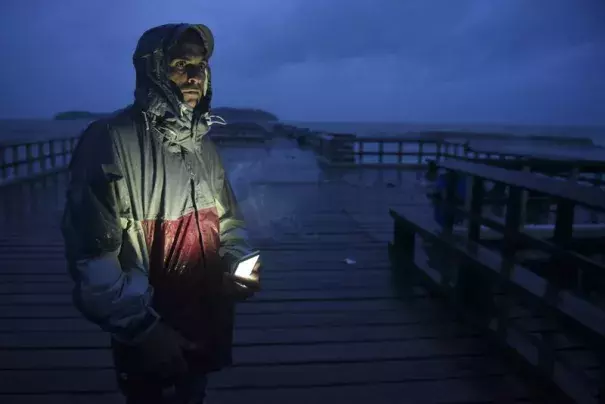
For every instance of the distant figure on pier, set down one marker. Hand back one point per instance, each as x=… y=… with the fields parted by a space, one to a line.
x=432 y=172
x=439 y=197
x=152 y=229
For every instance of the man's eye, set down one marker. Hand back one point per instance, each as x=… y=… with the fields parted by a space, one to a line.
x=180 y=64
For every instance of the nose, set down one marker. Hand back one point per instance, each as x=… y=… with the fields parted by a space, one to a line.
x=195 y=75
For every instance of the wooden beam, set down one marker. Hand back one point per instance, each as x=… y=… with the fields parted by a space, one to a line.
x=588 y=196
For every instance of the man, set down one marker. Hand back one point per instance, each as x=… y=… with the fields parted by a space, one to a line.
x=152 y=228
x=439 y=195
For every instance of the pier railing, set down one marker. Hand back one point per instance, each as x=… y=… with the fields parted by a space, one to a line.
x=341 y=150
x=28 y=160
x=24 y=161
x=585 y=172
x=538 y=307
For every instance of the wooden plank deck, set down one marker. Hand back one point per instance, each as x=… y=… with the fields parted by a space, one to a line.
x=321 y=331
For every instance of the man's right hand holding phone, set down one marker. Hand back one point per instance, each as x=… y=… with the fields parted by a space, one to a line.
x=244 y=281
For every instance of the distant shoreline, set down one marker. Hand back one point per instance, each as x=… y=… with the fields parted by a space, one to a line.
x=228 y=113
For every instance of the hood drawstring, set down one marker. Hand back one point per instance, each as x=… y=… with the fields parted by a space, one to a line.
x=146 y=121
x=210 y=120
x=171 y=138
x=215 y=120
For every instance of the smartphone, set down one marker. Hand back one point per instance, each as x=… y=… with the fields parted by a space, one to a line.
x=245 y=265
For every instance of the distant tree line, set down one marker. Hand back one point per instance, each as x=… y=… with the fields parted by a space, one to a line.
x=228 y=113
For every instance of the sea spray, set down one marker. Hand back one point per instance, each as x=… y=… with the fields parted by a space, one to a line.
x=274 y=186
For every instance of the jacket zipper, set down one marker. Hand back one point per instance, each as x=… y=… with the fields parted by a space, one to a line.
x=192 y=178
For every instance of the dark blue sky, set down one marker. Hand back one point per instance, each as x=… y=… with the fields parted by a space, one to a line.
x=515 y=61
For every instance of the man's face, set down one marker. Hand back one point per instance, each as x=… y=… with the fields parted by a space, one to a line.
x=187 y=67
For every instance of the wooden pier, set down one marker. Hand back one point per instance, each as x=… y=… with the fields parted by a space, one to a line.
x=337 y=320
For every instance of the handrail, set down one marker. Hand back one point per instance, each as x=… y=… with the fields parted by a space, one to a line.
x=591 y=197
x=23 y=161
x=538 y=163
x=27 y=160
x=343 y=150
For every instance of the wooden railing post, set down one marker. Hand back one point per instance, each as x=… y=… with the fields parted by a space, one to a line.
x=15 y=159
x=402 y=249
x=566 y=274
x=360 y=152
x=29 y=159
x=42 y=164
x=451 y=200
x=524 y=198
x=513 y=221
x=475 y=195
x=53 y=154
x=3 y=164
x=438 y=151
x=400 y=152
x=474 y=287
x=331 y=150
x=64 y=151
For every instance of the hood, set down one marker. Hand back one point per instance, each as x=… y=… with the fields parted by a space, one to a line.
x=159 y=98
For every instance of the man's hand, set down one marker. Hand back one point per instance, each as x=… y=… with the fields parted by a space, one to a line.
x=242 y=288
x=162 y=352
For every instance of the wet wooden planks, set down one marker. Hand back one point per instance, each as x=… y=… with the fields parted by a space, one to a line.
x=322 y=330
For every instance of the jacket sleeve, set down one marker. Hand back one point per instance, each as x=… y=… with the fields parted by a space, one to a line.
x=115 y=298
x=232 y=227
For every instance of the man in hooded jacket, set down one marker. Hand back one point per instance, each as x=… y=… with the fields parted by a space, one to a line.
x=151 y=226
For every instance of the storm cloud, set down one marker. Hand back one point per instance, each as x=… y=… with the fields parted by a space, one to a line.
x=517 y=61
